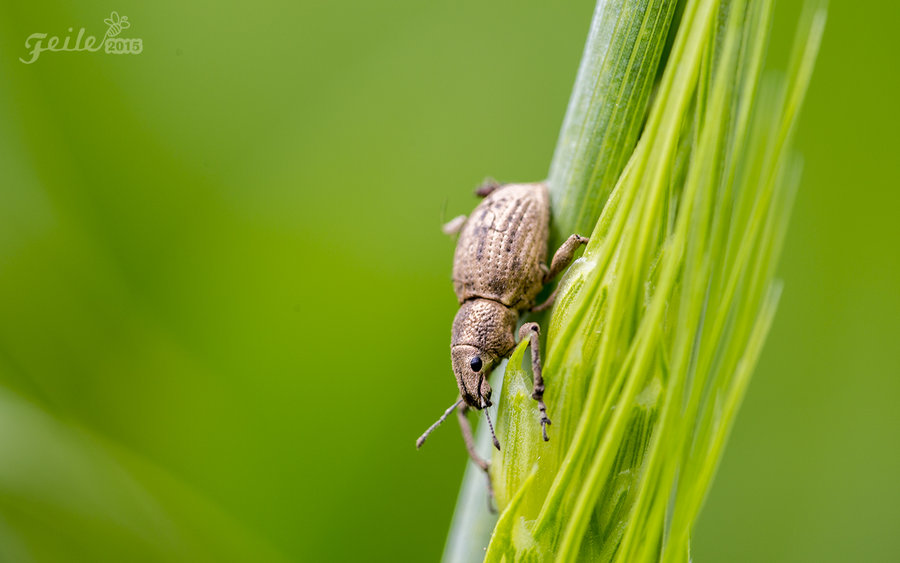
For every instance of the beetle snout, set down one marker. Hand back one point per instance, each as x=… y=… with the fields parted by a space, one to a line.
x=481 y=397
x=477 y=398
x=473 y=385
x=485 y=392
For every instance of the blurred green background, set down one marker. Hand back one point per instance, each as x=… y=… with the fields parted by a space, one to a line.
x=225 y=300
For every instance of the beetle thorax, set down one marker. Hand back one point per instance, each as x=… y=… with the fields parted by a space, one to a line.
x=486 y=325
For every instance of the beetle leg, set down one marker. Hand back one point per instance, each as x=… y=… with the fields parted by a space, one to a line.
x=466 y=429
x=453 y=226
x=564 y=255
x=467 y=437
x=533 y=332
x=486 y=187
x=546 y=304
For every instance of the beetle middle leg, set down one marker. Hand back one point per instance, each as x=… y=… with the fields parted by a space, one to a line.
x=487 y=187
x=533 y=332
x=546 y=304
x=466 y=429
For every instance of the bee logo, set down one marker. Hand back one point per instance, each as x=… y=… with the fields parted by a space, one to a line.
x=116 y=24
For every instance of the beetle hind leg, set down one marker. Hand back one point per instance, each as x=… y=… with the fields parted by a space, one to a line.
x=532 y=332
x=563 y=257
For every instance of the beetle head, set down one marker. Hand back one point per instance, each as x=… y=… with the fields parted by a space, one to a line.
x=472 y=367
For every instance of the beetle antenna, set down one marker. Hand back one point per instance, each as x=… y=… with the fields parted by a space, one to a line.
x=431 y=428
x=443 y=211
x=491 y=426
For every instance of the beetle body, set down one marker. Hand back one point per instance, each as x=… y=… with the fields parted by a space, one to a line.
x=499 y=268
x=498 y=271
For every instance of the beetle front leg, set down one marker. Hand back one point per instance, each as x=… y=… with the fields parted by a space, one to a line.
x=466 y=429
x=564 y=255
x=533 y=332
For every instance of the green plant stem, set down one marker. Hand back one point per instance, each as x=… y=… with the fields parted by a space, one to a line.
x=658 y=326
x=607 y=109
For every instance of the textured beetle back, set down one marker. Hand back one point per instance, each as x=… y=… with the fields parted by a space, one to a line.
x=503 y=245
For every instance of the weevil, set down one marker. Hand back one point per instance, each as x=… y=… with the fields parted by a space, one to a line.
x=498 y=271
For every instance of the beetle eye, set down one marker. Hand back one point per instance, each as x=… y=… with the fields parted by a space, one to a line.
x=476 y=364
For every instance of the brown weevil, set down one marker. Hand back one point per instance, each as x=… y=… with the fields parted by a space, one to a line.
x=498 y=270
